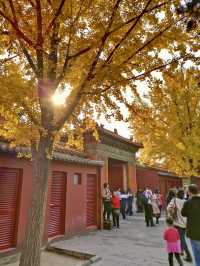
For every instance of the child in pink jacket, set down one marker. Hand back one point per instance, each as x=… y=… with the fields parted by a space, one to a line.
x=173 y=245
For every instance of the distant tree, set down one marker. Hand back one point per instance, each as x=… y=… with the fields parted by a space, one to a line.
x=84 y=53
x=168 y=122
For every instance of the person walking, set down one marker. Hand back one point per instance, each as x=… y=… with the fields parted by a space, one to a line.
x=155 y=206
x=170 y=196
x=191 y=210
x=175 y=208
x=123 y=203
x=115 y=209
x=172 y=238
x=160 y=200
x=139 y=202
x=130 y=198
x=148 y=209
x=186 y=194
x=106 y=202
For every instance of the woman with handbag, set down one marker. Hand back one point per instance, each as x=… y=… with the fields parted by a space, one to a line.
x=174 y=210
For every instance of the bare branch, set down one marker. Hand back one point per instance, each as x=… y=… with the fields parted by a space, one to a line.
x=5 y=60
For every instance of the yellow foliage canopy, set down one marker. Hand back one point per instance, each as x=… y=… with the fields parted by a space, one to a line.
x=88 y=50
x=168 y=122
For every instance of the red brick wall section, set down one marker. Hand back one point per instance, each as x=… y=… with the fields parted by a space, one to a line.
x=196 y=180
x=147 y=178
x=75 y=221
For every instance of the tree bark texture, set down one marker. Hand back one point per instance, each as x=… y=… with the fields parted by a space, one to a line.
x=31 y=252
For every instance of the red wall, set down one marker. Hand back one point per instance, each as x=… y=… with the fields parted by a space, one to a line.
x=196 y=180
x=147 y=178
x=75 y=221
x=132 y=177
x=150 y=178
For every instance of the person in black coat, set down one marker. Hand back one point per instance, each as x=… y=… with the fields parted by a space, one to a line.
x=123 y=203
x=130 y=197
x=148 y=209
x=191 y=210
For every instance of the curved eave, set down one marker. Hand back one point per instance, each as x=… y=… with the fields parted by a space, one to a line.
x=59 y=156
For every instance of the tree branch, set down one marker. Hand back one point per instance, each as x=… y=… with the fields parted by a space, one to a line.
x=2 y=61
x=59 y=10
x=74 y=56
x=29 y=113
x=39 y=24
x=142 y=75
x=75 y=95
x=29 y=59
x=17 y=30
x=67 y=57
x=132 y=19
x=149 y=42
x=126 y=34
x=53 y=56
x=13 y=11
x=39 y=49
x=145 y=74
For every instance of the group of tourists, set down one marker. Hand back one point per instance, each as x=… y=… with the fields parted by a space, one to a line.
x=117 y=202
x=183 y=218
x=152 y=204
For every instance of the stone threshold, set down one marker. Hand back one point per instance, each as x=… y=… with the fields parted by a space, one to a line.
x=89 y=258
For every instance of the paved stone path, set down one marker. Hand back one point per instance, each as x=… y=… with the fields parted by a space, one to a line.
x=132 y=244
x=52 y=259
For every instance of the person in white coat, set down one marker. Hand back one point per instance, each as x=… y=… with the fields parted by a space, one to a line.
x=174 y=209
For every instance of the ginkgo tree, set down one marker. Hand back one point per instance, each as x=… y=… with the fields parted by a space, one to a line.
x=168 y=122
x=88 y=51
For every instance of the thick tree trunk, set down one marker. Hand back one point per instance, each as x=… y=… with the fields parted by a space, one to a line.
x=31 y=252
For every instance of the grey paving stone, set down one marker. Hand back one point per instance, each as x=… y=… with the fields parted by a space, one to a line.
x=132 y=244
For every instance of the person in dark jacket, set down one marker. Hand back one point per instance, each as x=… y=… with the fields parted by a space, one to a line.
x=148 y=209
x=106 y=195
x=123 y=203
x=191 y=210
x=139 y=201
x=130 y=196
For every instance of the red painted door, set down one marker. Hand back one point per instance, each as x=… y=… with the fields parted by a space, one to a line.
x=56 y=224
x=115 y=176
x=9 y=186
x=91 y=200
